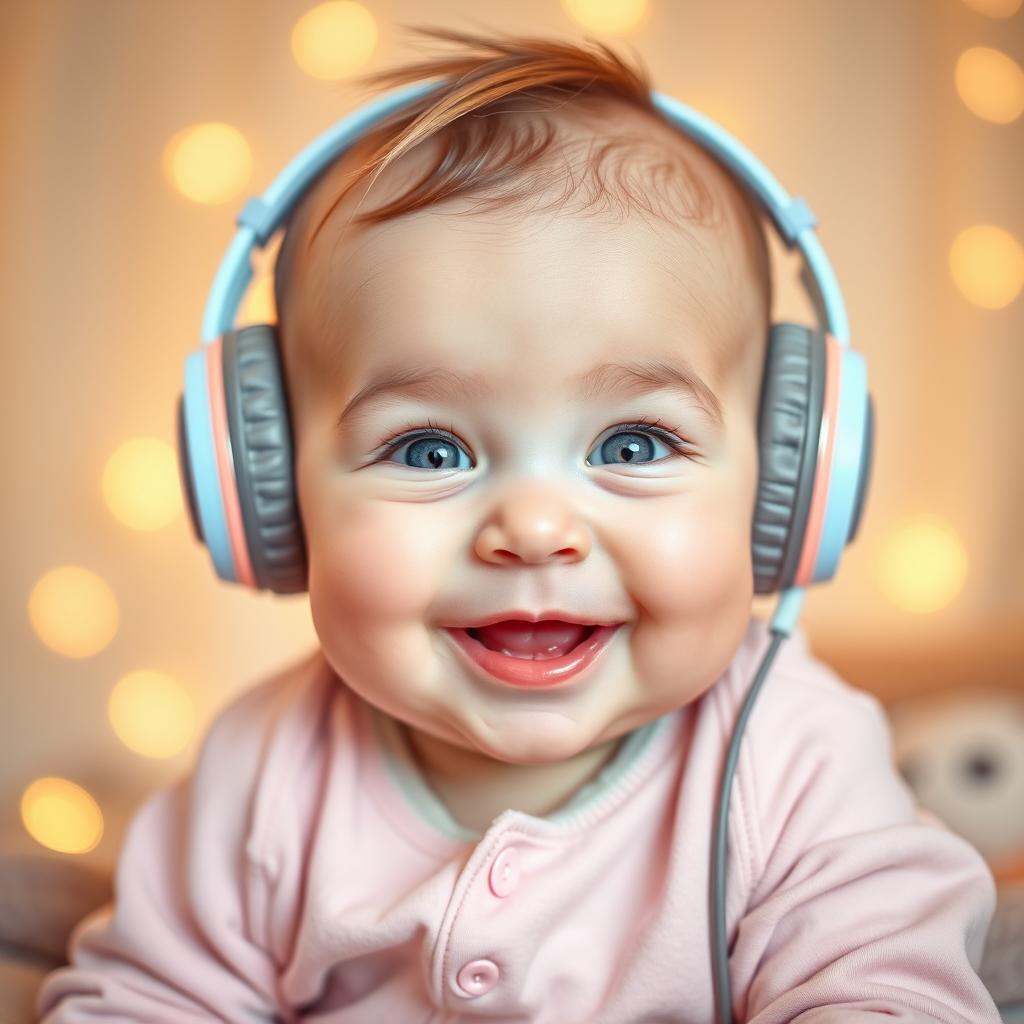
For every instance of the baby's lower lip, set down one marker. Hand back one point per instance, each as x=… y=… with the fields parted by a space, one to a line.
x=528 y=673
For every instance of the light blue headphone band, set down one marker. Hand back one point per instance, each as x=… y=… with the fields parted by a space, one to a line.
x=202 y=453
x=792 y=218
x=263 y=215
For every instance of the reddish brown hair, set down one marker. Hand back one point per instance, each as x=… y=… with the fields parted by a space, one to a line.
x=487 y=151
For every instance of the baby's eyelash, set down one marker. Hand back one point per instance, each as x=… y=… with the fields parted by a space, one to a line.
x=412 y=431
x=664 y=431
x=391 y=441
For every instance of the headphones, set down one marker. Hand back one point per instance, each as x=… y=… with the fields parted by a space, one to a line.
x=815 y=433
x=816 y=416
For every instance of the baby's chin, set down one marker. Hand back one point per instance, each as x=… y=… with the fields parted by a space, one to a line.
x=527 y=736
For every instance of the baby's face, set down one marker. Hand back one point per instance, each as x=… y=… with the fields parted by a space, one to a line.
x=538 y=499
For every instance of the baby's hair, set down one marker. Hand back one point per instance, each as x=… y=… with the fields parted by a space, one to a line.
x=488 y=153
x=478 y=156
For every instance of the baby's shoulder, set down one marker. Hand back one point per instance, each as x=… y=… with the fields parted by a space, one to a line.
x=270 y=742
x=815 y=759
x=815 y=776
x=807 y=728
x=282 y=706
x=802 y=698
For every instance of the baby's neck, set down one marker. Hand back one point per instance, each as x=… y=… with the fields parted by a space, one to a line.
x=476 y=788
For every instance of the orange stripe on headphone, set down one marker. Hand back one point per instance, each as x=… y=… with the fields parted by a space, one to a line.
x=225 y=465
x=822 y=472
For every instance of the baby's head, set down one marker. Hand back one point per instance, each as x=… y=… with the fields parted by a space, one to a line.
x=544 y=477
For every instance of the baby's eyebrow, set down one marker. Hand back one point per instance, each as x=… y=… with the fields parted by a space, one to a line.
x=641 y=377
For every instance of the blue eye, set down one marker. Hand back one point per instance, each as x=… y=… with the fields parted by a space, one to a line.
x=629 y=447
x=437 y=447
x=428 y=450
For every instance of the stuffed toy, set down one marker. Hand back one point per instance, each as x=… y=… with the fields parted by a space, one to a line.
x=963 y=756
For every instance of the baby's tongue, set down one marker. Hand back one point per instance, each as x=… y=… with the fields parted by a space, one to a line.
x=546 y=639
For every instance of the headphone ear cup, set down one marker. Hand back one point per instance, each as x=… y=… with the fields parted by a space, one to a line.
x=866 y=465
x=259 y=425
x=789 y=425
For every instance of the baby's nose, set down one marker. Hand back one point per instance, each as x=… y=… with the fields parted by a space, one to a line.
x=534 y=525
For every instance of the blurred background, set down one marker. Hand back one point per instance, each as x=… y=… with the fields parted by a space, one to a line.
x=133 y=132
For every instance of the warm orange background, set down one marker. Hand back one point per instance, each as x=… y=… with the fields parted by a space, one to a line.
x=106 y=271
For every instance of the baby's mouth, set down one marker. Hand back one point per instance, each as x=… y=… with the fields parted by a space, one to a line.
x=535 y=641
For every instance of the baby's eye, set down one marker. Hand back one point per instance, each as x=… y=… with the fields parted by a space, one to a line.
x=437 y=448
x=630 y=445
x=427 y=449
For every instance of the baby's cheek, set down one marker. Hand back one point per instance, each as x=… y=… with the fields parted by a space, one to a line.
x=376 y=563
x=692 y=585
x=690 y=564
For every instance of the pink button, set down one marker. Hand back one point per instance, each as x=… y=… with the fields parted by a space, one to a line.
x=504 y=876
x=476 y=978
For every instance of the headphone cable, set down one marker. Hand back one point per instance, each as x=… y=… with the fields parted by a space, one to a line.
x=782 y=624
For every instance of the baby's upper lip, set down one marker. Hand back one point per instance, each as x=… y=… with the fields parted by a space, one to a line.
x=558 y=614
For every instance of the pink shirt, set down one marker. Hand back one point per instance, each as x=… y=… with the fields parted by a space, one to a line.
x=305 y=871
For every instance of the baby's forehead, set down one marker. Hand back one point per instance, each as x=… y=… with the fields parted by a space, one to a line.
x=654 y=201
x=533 y=323
x=521 y=328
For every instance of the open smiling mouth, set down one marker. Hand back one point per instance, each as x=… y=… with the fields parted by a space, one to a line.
x=532 y=654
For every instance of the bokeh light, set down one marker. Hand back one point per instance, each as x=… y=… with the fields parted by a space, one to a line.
x=991 y=84
x=140 y=484
x=151 y=713
x=995 y=8
x=73 y=611
x=987 y=264
x=608 y=16
x=923 y=565
x=334 y=39
x=61 y=816
x=208 y=163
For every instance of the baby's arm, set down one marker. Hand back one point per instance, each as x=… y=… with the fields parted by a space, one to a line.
x=185 y=937
x=863 y=908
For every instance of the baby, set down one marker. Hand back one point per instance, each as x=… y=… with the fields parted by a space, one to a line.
x=524 y=361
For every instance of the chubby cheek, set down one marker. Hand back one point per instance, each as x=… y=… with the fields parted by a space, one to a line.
x=374 y=571
x=691 y=580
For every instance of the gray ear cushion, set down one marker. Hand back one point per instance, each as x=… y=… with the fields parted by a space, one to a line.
x=792 y=395
x=261 y=448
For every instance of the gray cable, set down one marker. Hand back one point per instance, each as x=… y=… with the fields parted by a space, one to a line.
x=719 y=842
x=719 y=838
